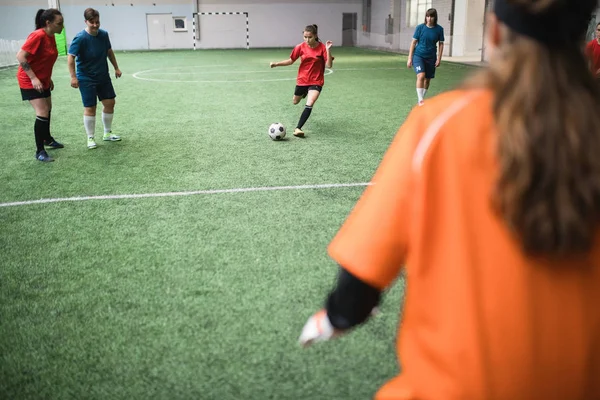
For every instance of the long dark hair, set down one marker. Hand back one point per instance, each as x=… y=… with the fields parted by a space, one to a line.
x=547 y=115
x=432 y=12
x=44 y=16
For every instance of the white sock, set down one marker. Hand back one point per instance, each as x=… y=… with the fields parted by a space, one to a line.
x=420 y=93
x=89 y=122
x=424 y=92
x=107 y=121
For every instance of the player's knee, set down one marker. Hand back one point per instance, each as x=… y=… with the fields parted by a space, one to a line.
x=108 y=105
x=296 y=100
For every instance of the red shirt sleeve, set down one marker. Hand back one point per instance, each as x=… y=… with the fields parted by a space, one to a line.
x=296 y=53
x=32 y=44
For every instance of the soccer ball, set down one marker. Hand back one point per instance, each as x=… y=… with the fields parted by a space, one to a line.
x=276 y=131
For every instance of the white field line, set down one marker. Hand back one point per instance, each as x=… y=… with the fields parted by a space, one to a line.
x=161 y=72
x=174 y=194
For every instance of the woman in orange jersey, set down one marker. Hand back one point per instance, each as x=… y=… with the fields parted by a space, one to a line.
x=490 y=196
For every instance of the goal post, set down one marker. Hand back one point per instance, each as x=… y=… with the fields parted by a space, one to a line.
x=196 y=23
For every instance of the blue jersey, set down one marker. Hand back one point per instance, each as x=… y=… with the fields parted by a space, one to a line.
x=427 y=40
x=91 y=52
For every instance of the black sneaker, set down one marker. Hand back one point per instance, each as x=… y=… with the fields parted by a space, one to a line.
x=53 y=144
x=43 y=156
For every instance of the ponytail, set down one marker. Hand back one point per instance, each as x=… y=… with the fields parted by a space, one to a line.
x=43 y=16
x=38 y=19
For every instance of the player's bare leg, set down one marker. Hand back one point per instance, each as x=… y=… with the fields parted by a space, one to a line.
x=421 y=87
x=311 y=99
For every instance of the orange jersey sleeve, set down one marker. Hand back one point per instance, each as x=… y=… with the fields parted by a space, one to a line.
x=372 y=243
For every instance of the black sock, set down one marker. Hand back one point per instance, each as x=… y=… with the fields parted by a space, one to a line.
x=41 y=130
x=304 y=116
x=49 y=139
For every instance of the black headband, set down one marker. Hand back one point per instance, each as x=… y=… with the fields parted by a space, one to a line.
x=554 y=27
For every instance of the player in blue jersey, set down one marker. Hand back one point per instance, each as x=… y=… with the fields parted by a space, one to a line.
x=422 y=55
x=90 y=48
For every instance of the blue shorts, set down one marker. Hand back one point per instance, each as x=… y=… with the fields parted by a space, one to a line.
x=92 y=90
x=426 y=65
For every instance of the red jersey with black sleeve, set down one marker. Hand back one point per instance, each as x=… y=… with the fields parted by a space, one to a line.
x=312 y=64
x=43 y=55
x=592 y=50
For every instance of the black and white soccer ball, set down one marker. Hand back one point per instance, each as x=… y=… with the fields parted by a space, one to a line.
x=276 y=131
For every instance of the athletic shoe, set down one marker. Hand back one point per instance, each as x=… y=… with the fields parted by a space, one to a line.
x=91 y=143
x=53 y=144
x=109 y=137
x=298 y=132
x=43 y=156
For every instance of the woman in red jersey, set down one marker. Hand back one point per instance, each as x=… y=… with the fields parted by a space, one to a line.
x=314 y=58
x=592 y=50
x=36 y=60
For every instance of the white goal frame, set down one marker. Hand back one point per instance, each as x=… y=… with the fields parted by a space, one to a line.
x=195 y=15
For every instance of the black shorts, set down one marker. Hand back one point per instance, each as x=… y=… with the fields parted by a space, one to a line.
x=303 y=90
x=32 y=94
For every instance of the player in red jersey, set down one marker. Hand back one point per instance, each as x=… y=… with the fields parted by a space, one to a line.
x=314 y=58
x=36 y=60
x=592 y=50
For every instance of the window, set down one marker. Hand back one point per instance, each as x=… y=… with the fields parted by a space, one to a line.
x=366 y=16
x=179 y=24
x=415 y=11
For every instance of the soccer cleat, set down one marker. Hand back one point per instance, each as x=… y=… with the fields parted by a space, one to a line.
x=43 y=156
x=318 y=328
x=91 y=143
x=421 y=102
x=109 y=137
x=53 y=144
x=298 y=132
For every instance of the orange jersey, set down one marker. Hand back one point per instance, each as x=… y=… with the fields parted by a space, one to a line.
x=481 y=319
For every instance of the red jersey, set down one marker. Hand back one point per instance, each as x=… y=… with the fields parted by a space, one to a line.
x=312 y=64
x=592 y=50
x=43 y=55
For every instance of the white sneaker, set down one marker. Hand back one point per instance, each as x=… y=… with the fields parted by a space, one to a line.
x=91 y=143
x=109 y=137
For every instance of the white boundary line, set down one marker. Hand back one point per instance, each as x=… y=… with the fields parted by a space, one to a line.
x=190 y=193
x=328 y=71
x=291 y=78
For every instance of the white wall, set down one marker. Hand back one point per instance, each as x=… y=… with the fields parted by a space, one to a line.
x=474 y=27
x=272 y=23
